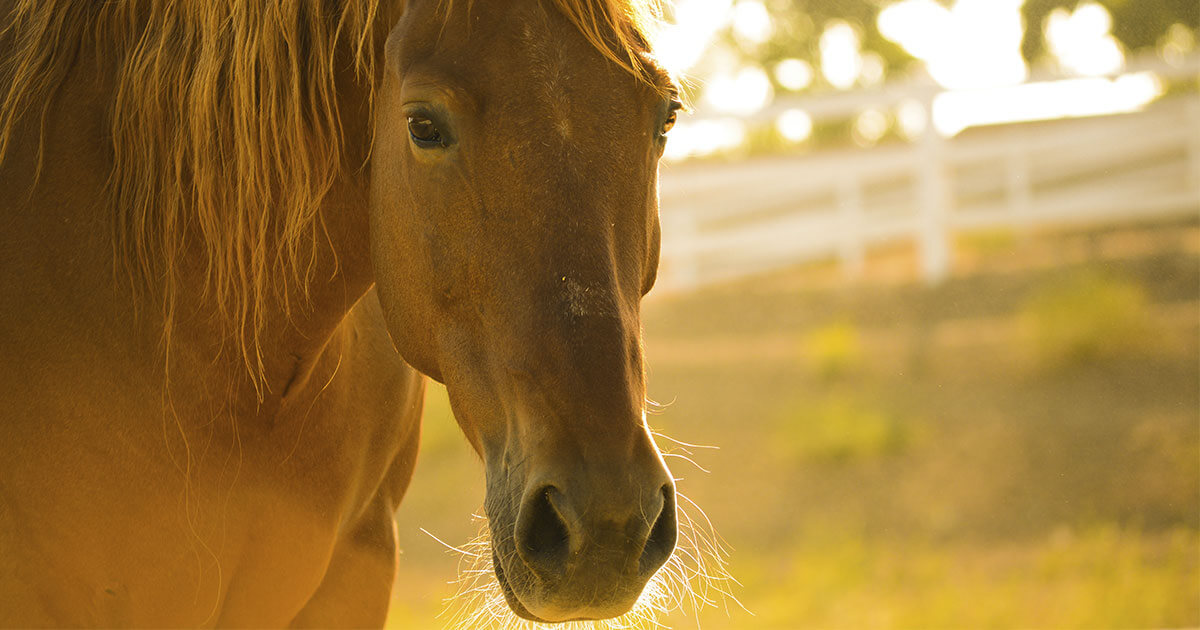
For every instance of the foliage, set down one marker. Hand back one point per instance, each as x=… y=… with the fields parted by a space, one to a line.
x=985 y=242
x=834 y=350
x=798 y=26
x=1086 y=317
x=1105 y=576
x=1138 y=24
x=838 y=428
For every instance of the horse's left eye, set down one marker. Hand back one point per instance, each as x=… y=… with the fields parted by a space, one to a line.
x=672 y=115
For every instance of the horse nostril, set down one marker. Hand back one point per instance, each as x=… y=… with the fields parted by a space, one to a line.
x=661 y=542
x=542 y=536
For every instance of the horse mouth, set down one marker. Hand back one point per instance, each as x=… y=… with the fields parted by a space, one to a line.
x=509 y=595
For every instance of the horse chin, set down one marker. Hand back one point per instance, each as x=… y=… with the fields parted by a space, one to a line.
x=510 y=596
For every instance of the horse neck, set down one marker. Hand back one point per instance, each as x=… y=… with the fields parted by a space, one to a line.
x=299 y=320
x=342 y=271
x=54 y=202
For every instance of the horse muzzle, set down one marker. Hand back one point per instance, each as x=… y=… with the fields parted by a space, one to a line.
x=583 y=548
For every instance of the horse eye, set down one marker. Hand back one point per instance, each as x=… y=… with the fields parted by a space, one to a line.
x=672 y=115
x=423 y=131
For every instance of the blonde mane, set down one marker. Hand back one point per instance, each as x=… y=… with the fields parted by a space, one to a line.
x=224 y=126
x=619 y=29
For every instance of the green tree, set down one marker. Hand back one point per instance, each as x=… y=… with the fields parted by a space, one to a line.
x=1137 y=24
x=799 y=23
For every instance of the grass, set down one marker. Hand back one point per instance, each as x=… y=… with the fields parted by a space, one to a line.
x=834 y=350
x=893 y=456
x=838 y=428
x=1087 y=316
x=1103 y=577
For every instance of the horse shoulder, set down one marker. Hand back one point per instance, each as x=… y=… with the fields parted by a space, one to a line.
x=356 y=587
x=356 y=413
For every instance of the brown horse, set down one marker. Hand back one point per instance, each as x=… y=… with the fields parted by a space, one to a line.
x=219 y=222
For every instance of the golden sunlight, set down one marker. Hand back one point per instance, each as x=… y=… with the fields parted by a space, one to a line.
x=841 y=60
x=680 y=44
x=1082 y=40
x=974 y=44
x=1072 y=98
x=971 y=49
x=751 y=22
x=794 y=74
x=795 y=125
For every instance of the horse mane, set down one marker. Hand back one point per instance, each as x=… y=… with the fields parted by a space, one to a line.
x=619 y=29
x=224 y=126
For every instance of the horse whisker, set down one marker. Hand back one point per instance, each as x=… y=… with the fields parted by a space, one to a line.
x=461 y=550
x=696 y=576
x=688 y=460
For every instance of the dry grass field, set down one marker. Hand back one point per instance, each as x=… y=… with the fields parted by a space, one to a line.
x=1016 y=448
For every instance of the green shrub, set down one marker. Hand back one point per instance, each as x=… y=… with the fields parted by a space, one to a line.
x=834 y=350
x=1086 y=317
x=838 y=428
x=988 y=242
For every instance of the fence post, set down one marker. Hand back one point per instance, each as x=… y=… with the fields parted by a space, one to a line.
x=1193 y=113
x=851 y=248
x=1019 y=186
x=933 y=195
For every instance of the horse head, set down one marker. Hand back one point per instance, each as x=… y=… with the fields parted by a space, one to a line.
x=514 y=231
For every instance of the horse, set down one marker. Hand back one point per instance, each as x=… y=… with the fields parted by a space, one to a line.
x=237 y=237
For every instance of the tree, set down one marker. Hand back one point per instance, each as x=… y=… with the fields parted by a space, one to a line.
x=1137 y=24
x=798 y=27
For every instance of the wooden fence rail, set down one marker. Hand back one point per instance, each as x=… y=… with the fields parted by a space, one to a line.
x=728 y=220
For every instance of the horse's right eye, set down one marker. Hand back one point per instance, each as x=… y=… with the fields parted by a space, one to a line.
x=424 y=132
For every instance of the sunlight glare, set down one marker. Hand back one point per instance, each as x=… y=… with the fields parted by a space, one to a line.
x=679 y=46
x=971 y=48
x=869 y=127
x=795 y=125
x=841 y=61
x=1082 y=41
x=743 y=93
x=955 y=111
x=974 y=44
x=917 y=25
x=794 y=74
x=752 y=22
x=704 y=137
x=911 y=118
x=874 y=69
x=1176 y=44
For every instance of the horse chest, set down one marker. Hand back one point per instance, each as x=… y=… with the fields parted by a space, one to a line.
x=347 y=440
x=186 y=518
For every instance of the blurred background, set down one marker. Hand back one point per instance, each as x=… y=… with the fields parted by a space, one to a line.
x=931 y=284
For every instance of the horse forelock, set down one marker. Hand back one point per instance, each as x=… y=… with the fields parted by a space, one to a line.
x=621 y=30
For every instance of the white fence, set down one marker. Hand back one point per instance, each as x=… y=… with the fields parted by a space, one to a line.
x=729 y=220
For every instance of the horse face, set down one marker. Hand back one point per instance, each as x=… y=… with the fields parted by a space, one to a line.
x=514 y=230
